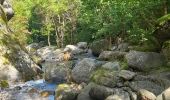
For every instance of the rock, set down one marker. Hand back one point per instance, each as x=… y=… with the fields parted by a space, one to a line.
x=153 y=87
x=121 y=93
x=145 y=61
x=73 y=49
x=67 y=92
x=112 y=55
x=126 y=75
x=23 y=68
x=123 y=47
x=165 y=95
x=98 y=46
x=82 y=45
x=84 y=95
x=32 y=47
x=82 y=71
x=106 y=77
x=57 y=72
x=145 y=95
x=100 y=92
x=166 y=50
x=113 y=97
x=112 y=66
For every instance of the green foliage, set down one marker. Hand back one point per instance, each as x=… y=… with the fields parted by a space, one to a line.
x=163 y=19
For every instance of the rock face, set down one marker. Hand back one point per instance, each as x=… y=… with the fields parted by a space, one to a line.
x=112 y=66
x=145 y=61
x=112 y=55
x=82 y=71
x=57 y=72
x=98 y=46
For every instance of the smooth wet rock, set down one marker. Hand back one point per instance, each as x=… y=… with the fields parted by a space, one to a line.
x=112 y=55
x=145 y=95
x=82 y=71
x=99 y=92
x=126 y=75
x=145 y=61
x=112 y=66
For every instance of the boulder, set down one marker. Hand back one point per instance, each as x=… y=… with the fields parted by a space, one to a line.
x=106 y=78
x=67 y=92
x=57 y=72
x=126 y=75
x=112 y=66
x=113 y=97
x=100 y=92
x=165 y=95
x=84 y=95
x=112 y=55
x=82 y=71
x=73 y=49
x=98 y=46
x=123 y=47
x=82 y=45
x=145 y=95
x=145 y=61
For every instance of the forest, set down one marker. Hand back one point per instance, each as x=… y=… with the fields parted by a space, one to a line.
x=85 y=49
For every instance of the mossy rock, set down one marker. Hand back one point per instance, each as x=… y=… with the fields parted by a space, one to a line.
x=4 y=84
x=166 y=50
x=105 y=77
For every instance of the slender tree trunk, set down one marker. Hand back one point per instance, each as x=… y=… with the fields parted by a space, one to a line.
x=165 y=7
x=49 y=44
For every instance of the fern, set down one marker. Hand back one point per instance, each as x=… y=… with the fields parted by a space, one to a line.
x=163 y=19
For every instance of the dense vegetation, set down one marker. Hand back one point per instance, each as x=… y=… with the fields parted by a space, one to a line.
x=64 y=22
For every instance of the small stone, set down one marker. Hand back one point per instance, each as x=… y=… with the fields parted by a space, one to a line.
x=127 y=75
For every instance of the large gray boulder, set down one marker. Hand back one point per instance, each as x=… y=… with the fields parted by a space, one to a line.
x=99 y=92
x=82 y=71
x=57 y=72
x=145 y=61
x=98 y=46
x=126 y=75
x=112 y=66
x=84 y=95
x=112 y=55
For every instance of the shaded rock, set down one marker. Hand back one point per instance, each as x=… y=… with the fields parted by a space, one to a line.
x=126 y=75
x=112 y=66
x=112 y=55
x=145 y=95
x=57 y=72
x=100 y=92
x=123 y=47
x=123 y=95
x=82 y=71
x=84 y=95
x=73 y=49
x=166 y=50
x=98 y=46
x=165 y=95
x=145 y=61
x=82 y=45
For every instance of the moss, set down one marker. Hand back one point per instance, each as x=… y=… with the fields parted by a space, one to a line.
x=4 y=84
x=100 y=75
x=163 y=19
x=166 y=44
x=124 y=65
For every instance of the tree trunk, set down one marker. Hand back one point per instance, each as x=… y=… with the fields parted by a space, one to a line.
x=49 y=44
x=165 y=7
